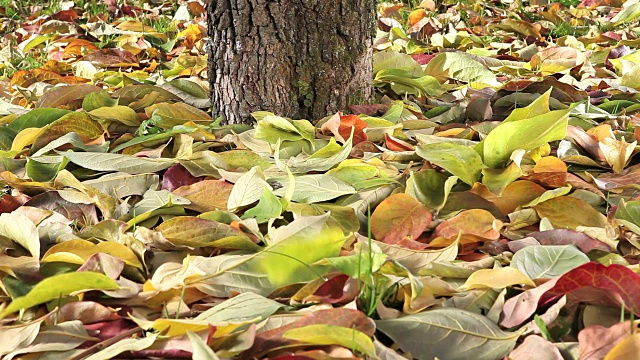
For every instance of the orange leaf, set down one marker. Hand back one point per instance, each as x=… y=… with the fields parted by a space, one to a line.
x=416 y=15
x=394 y=144
x=550 y=164
x=398 y=216
x=340 y=126
x=476 y=222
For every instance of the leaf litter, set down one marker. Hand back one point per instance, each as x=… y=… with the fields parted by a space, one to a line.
x=483 y=206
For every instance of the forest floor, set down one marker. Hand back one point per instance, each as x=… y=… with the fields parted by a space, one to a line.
x=484 y=206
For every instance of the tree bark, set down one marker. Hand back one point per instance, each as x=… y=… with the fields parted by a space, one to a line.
x=296 y=58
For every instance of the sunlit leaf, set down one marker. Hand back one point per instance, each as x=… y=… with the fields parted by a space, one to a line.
x=56 y=286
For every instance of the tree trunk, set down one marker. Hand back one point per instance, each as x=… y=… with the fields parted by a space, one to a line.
x=296 y=58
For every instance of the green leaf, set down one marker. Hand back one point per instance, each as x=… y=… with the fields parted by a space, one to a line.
x=37 y=118
x=98 y=100
x=196 y=232
x=241 y=309
x=248 y=189
x=628 y=213
x=402 y=82
x=460 y=66
x=39 y=169
x=389 y=59
x=268 y=207
x=287 y=261
x=60 y=285
x=321 y=334
x=344 y=216
x=459 y=160
x=527 y=134
x=190 y=92
x=155 y=138
x=6 y=137
x=430 y=334
x=430 y=187
x=539 y=106
x=272 y=128
x=117 y=162
x=313 y=188
x=538 y=261
x=323 y=159
x=630 y=11
x=178 y=114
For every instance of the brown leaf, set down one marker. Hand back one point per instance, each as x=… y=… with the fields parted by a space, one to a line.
x=629 y=178
x=565 y=237
x=64 y=95
x=555 y=180
x=85 y=214
x=206 y=195
x=569 y=212
x=111 y=58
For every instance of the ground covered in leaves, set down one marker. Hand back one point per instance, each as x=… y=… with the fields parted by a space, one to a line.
x=485 y=206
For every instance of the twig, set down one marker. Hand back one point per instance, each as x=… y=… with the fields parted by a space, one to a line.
x=103 y=344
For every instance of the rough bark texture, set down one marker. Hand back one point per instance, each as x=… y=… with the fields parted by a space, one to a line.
x=296 y=58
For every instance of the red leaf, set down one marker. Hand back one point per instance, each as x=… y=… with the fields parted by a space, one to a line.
x=423 y=59
x=107 y=329
x=65 y=15
x=177 y=176
x=8 y=203
x=340 y=289
x=612 y=285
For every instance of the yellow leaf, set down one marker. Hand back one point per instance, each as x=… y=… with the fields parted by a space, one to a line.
x=617 y=152
x=321 y=334
x=177 y=327
x=78 y=251
x=627 y=349
x=496 y=279
x=25 y=138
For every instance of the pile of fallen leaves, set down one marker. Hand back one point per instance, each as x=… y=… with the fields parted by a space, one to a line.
x=485 y=206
